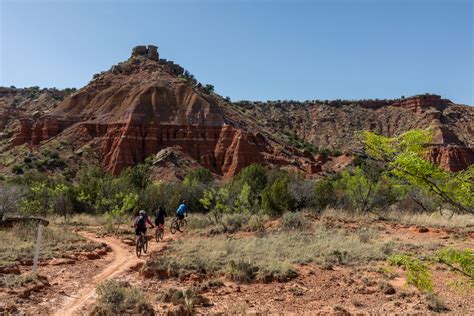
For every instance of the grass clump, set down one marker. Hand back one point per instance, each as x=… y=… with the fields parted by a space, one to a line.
x=418 y=273
x=435 y=303
x=12 y=280
x=187 y=299
x=118 y=298
x=292 y=220
x=17 y=242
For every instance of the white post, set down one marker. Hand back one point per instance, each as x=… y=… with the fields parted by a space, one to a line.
x=39 y=236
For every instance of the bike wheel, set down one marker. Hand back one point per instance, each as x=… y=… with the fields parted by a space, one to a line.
x=183 y=224
x=145 y=244
x=162 y=234
x=157 y=234
x=174 y=227
x=138 y=247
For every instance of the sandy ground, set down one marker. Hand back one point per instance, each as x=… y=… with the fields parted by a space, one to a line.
x=340 y=290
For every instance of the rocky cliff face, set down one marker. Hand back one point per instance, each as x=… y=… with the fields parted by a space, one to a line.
x=334 y=125
x=26 y=103
x=147 y=105
x=144 y=105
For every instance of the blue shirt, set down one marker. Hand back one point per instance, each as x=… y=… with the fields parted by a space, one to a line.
x=181 y=209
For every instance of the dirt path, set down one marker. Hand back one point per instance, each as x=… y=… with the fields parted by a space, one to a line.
x=124 y=258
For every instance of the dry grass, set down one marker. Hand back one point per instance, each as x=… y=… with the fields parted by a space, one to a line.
x=270 y=256
x=17 y=243
x=406 y=218
x=230 y=223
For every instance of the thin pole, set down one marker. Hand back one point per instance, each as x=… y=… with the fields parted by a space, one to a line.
x=39 y=236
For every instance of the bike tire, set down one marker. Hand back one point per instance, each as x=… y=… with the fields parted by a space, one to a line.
x=145 y=244
x=161 y=234
x=174 y=227
x=138 y=248
x=157 y=234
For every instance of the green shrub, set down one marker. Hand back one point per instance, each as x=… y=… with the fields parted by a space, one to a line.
x=324 y=194
x=276 y=198
x=418 y=273
x=459 y=259
x=202 y=175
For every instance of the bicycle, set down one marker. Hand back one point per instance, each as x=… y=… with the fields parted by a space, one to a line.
x=141 y=244
x=178 y=224
x=159 y=232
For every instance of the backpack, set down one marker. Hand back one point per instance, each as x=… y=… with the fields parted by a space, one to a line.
x=140 y=221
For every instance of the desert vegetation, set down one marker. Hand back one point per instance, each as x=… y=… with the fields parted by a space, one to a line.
x=365 y=226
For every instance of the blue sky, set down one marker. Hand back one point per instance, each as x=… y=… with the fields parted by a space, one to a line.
x=256 y=50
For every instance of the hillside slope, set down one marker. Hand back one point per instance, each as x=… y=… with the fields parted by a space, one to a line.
x=334 y=124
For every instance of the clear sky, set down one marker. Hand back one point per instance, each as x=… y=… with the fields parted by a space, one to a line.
x=255 y=50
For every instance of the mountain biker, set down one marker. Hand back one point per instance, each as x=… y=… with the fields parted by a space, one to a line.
x=160 y=216
x=140 y=223
x=182 y=210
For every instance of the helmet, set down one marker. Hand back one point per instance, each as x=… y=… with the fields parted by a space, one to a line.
x=142 y=212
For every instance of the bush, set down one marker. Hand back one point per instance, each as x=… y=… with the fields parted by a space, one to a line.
x=324 y=194
x=117 y=298
x=17 y=169
x=201 y=175
x=254 y=175
x=435 y=303
x=241 y=271
x=294 y=221
x=276 y=198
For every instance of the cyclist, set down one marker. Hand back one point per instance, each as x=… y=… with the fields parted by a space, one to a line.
x=140 y=223
x=181 y=212
x=160 y=217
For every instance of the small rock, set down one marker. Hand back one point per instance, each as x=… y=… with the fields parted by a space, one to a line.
x=423 y=229
x=14 y=269
x=60 y=261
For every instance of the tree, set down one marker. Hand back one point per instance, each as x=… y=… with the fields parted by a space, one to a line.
x=276 y=198
x=137 y=176
x=10 y=195
x=405 y=158
x=202 y=175
x=324 y=194
x=208 y=88
x=216 y=202
x=368 y=190
x=126 y=203
x=61 y=199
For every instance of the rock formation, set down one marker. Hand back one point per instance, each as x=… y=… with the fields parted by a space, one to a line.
x=146 y=105
x=140 y=107
x=334 y=124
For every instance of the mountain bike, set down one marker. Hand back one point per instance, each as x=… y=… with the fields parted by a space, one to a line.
x=159 y=232
x=178 y=225
x=141 y=244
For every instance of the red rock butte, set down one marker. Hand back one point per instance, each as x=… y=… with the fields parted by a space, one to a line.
x=146 y=104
